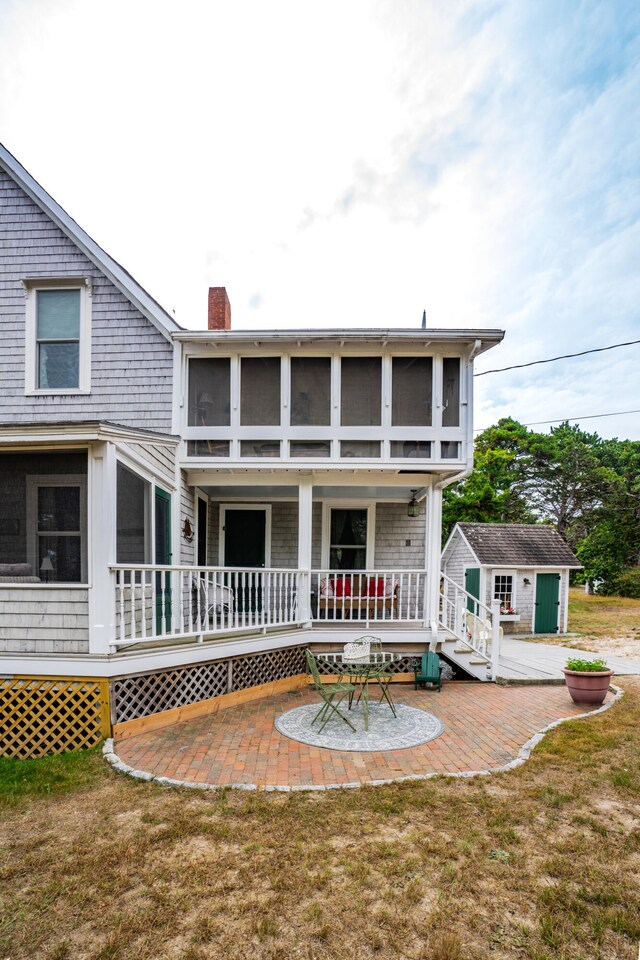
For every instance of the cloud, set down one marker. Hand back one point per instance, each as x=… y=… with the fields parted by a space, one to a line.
x=352 y=164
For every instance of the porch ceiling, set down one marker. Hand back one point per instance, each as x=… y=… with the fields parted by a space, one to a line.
x=274 y=492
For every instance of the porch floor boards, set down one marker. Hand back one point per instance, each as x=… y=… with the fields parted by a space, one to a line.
x=484 y=728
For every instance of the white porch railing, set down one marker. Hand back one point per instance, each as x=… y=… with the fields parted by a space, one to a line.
x=370 y=596
x=470 y=620
x=181 y=602
x=154 y=603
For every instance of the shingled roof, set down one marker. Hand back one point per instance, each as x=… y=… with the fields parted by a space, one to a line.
x=518 y=545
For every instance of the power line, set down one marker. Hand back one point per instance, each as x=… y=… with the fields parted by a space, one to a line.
x=593 y=416
x=565 y=356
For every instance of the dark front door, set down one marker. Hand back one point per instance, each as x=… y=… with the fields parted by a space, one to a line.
x=547 y=603
x=163 y=556
x=245 y=546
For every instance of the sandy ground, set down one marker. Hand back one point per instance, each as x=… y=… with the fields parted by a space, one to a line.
x=627 y=645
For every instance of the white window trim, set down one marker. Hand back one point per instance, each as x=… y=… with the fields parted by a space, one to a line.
x=327 y=507
x=505 y=573
x=32 y=286
x=266 y=507
x=34 y=482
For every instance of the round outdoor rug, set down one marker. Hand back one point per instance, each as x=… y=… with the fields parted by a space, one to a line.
x=409 y=729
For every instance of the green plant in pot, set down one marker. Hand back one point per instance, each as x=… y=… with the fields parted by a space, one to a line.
x=587 y=680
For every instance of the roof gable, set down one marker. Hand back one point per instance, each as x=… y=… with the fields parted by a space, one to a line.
x=518 y=545
x=123 y=280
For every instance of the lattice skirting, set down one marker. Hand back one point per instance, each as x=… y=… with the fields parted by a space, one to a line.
x=151 y=693
x=45 y=715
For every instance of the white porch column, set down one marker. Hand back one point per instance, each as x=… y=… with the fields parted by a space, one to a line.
x=433 y=536
x=305 y=520
x=101 y=524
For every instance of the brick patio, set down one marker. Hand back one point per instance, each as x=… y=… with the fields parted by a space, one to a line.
x=485 y=727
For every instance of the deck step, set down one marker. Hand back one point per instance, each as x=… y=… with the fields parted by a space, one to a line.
x=479 y=661
x=463 y=651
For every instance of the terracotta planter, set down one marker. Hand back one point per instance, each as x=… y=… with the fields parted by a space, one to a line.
x=587 y=687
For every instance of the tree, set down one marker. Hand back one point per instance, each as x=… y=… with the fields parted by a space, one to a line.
x=491 y=493
x=566 y=481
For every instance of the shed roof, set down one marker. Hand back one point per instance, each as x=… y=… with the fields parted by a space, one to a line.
x=518 y=545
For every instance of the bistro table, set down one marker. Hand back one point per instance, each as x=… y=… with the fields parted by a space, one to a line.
x=361 y=671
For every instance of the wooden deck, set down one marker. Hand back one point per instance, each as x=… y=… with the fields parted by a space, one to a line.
x=525 y=660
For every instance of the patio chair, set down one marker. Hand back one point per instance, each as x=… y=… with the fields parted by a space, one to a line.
x=332 y=694
x=216 y=600
x=429 y=671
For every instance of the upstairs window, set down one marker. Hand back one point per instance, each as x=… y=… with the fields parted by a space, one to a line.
x=361 y=391
x=411 y=391
x=260 y=391
x=451 y=392
x=209 y=392
x=310 y=391
x=57 y=337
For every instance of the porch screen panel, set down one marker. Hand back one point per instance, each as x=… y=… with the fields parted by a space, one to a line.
x=209 y=393
x=348 y=546
x=451 y=392
x=43 y=515
x=260 y=391
x=411 y=391
x=361 y=392
x=132 y=517
x=310 y=391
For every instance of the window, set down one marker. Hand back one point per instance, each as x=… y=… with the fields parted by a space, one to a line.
x=415 y=449
x=209 y=393
x=503 y=590
x=260 y=391
x=132 y=517
x=411 y=391
x=310 y=391
x=348 y=539
x=57 y=343
x=57 y=524
x=361 y=391
x=451 y=392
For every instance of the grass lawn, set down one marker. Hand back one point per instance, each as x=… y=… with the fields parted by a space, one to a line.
x=603 y=624
x=541 y=863
x=603 y=616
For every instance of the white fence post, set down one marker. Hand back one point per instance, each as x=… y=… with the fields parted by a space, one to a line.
x=495 y=638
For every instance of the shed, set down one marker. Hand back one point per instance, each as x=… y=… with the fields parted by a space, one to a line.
x=524 y=565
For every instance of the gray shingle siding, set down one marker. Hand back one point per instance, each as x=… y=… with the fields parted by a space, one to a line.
x=131 y=361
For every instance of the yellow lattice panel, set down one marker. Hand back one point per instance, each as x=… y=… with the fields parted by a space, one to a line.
x=42 y=715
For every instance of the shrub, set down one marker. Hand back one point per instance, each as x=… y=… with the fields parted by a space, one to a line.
x=625 y=584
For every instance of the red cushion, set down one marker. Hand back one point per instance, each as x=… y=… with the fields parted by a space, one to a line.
x=341 y=587
x=376 y=587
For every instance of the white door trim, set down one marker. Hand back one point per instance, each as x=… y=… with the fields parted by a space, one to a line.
x=266 y=507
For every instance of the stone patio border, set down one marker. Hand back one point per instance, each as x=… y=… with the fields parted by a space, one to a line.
x=523 y=755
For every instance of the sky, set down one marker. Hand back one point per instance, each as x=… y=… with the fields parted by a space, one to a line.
x=353 y=163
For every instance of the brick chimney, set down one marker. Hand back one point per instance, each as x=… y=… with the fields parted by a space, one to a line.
x=219 y=309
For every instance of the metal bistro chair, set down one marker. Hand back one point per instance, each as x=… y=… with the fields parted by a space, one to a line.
x=384 y=674
x=329 y=692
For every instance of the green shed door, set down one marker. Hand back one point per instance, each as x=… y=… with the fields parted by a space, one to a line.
x=472 y=586
x=547 y=603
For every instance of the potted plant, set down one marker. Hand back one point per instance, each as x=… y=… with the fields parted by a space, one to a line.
x=587 y=680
